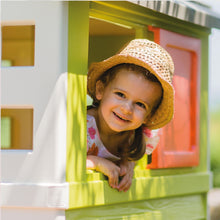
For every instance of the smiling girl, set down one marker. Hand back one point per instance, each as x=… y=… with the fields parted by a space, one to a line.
x=131 y=93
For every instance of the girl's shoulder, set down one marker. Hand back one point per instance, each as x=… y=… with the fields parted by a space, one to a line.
x=92 y=111
x=91 y=121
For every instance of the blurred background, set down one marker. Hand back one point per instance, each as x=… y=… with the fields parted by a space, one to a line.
x=214 y=122
x=214 y=103
x=214 y=97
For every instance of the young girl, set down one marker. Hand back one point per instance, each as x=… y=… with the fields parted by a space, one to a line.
x=131 y=93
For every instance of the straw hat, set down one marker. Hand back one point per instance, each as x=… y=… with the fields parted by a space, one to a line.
x=151 y=56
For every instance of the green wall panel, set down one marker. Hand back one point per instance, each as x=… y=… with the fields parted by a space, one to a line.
x=172 y=208
x=98 y=192
x=78 y=37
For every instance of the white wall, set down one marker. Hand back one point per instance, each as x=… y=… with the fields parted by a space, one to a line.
x=32 y=214
x=33 y=85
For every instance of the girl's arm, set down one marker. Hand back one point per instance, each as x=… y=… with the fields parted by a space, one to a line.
x=107 y=167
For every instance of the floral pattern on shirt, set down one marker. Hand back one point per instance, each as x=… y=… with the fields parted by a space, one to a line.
x=92 y=132
x=94 y=150
x=95 y=146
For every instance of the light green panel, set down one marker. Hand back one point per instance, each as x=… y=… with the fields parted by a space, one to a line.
x=5 y=132
x=204 y=110
x=78 y=36
x=172 y=208
x=98 y=192
x=76 y=132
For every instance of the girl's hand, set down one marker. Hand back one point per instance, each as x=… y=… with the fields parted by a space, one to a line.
x=126 y=172
x=107 y=167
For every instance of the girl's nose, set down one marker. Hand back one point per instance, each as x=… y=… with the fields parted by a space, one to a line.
x=127 y=108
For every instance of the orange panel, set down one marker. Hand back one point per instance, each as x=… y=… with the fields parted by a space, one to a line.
x=179 y=143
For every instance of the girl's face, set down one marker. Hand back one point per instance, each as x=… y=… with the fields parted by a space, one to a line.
x=127 y=101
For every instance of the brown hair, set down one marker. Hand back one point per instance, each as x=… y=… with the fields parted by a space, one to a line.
x=137 y=148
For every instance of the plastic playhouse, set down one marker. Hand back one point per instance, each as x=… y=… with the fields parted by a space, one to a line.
x=46 y=49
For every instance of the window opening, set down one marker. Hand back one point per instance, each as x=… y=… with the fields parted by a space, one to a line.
x=16 y=127
x=106 y=39
x=18 y=42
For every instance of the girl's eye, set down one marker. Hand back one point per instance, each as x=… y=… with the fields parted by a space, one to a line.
x=141 y=105
x=120 y=94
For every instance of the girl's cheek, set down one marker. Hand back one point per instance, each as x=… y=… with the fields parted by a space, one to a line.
x=117 y=101
x=139 y=114
x=143 y=115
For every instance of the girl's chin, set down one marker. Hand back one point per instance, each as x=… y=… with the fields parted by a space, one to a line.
x=117 y=128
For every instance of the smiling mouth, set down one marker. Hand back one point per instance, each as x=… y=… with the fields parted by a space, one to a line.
x=120 y=117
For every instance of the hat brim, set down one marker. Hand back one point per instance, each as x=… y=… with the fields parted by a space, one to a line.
x=163 y=114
